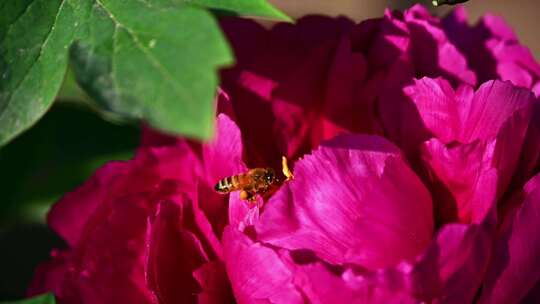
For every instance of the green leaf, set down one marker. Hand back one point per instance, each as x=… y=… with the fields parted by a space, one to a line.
x=155 y=60
x=42 y=299
x=255 y=8
x=142 y=60
x=34 y=38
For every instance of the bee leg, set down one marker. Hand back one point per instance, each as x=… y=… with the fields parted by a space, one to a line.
x=251 y=196
x=244 y=195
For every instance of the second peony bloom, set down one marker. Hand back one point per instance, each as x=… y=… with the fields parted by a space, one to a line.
x=415 y=144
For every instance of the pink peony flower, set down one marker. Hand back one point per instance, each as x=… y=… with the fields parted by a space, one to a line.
x=416 y=177
x=493 y=49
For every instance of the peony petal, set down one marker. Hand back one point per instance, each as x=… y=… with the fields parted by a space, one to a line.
x=256 y=272
x=530 y=155
x=432 y=52
x=222 y=157
x=298 y=101
x=349 y=103
x=400 y=117
x=280 y=57
x=173 y=253
x=52 y=276
x=69 y=216
x=389 y=40
x=515 y=267
x=178 y=163
x=468 y=180
x=439 y=107
x=492 y=48
x=497 y=111
x=351 y=184
x=321 y=285
x=533 y=295
x=452 y=268
x=493 y=104
x=106 y=265
x=243 y=214
x=536 y=89
x=214 y=283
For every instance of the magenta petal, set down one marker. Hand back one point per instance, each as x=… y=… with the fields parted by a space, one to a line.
x=214 y=284
x=453 y=266
x=515 y=267
x=533 y=295
x=298 y=101
x=493 y=104
x=433 y=54
x=173 y=254
x=398 y=112
x=241 y=213
x=222 y=157
x=465 y=172
x=354 y=200
x=69 y=216
x=349 y=103
x=458 y=116
x=320 y=285
x=154 y=138
x=439 y=107
x=492 y=49
x=498 y=110
x=530 y=151
x=256 y=272
x=536 y=89
x=52 y=277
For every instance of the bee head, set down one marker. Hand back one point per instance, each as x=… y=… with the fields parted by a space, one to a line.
x=269 y=176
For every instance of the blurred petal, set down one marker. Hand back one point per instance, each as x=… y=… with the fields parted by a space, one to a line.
x=533 y=296
x=399 y=114
x=69 y=216
x=52 y=276
x=349 y=103
x=173 y=255
x=354 y=200
x=256 y=272
x=530 y=155
x=214 y=284
x=515 y=267
x=271 y=59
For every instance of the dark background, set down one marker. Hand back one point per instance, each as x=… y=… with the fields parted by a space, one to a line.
x=71 y=141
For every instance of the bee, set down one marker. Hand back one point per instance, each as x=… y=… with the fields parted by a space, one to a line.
x=253 y=182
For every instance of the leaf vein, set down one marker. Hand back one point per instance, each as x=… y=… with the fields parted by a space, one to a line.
x=157 y=65
x=40 y=54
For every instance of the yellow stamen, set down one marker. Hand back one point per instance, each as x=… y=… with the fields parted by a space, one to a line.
x=285 y=168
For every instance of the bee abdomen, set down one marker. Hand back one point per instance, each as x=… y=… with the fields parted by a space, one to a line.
x=227 y=184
